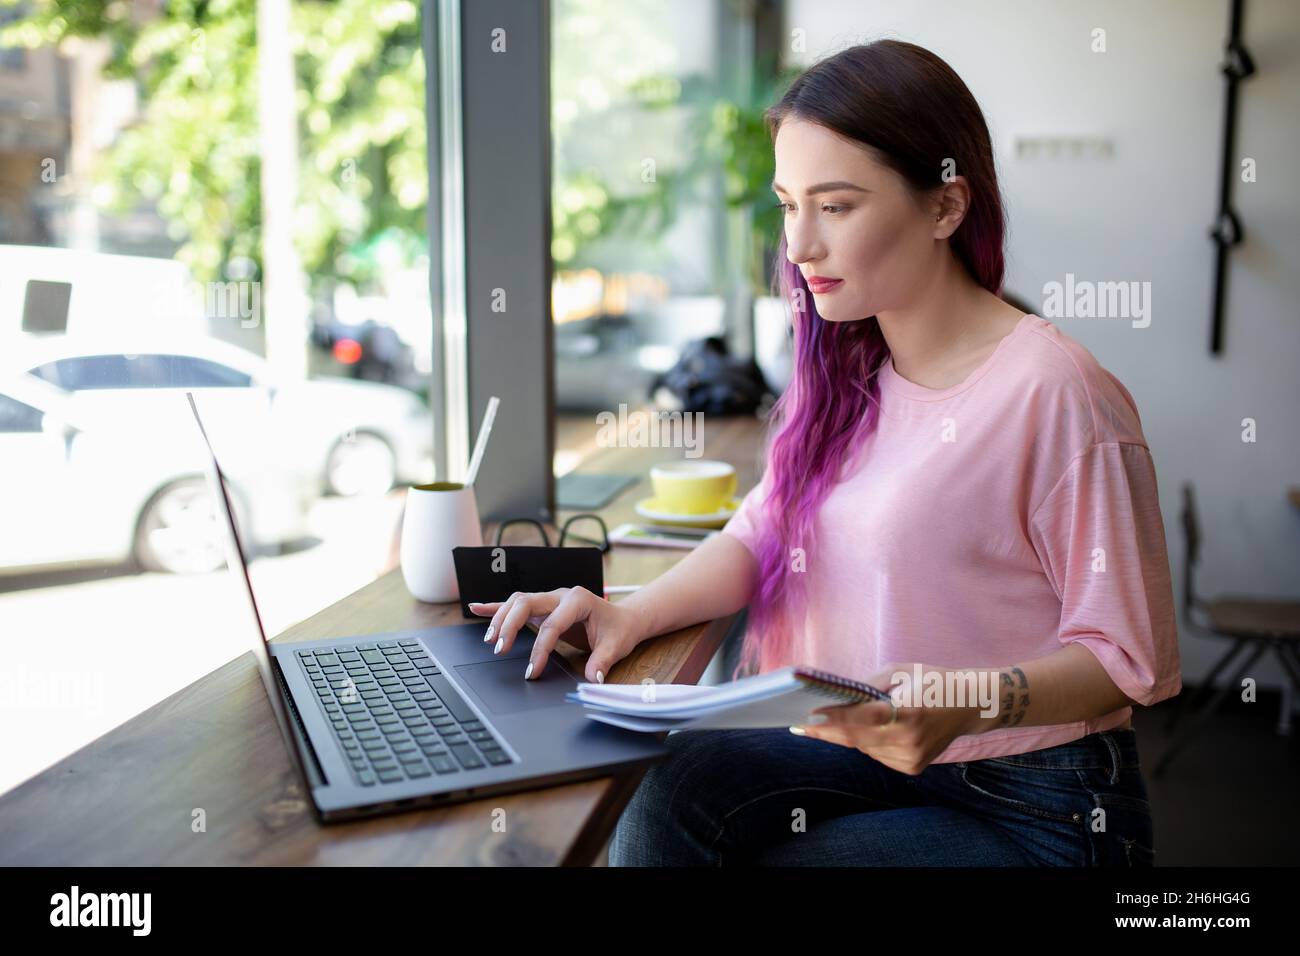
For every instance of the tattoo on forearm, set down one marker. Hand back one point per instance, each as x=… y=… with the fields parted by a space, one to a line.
x=1015 y=697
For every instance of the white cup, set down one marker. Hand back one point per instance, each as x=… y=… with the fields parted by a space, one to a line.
x=439 y=517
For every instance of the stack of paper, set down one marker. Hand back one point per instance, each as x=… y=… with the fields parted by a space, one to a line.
x=776 y=699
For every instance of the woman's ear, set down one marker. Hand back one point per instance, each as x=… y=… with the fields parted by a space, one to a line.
x=951 y=202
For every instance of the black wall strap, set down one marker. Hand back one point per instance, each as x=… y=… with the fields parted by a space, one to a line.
x=1227 y=231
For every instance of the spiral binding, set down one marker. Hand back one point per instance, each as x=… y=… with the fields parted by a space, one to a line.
x=841 y=688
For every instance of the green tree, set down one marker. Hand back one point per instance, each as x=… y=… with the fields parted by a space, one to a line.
x=194 y=149
x=616 y=102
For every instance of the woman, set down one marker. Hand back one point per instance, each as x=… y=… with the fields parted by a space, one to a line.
x=954 y=489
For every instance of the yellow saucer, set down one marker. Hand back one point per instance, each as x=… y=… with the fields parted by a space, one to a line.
x=649 y=508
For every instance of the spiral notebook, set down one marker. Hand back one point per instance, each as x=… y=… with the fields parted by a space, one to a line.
x=779 y=698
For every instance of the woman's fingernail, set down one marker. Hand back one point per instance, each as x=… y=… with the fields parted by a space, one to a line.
x=600 y=677
x=487 y=637
x=799 y=730
x=501 y=642
x=529 y=673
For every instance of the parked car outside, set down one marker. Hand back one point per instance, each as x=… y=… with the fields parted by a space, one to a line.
x=358 y=437
x=84 y=484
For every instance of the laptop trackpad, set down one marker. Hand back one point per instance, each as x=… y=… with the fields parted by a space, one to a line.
x=500 y=685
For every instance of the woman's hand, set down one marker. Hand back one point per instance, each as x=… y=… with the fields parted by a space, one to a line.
x=607 y=631
x=907 y=743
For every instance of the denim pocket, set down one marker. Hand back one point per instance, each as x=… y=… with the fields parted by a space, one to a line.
x=1049 y=794
x=1120 y=830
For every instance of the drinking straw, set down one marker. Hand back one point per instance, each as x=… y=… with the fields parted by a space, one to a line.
x=480 y=446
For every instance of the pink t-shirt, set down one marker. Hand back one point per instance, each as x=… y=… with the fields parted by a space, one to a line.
x=990 y=524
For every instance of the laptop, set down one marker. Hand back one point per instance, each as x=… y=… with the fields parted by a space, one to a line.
x=409 y=719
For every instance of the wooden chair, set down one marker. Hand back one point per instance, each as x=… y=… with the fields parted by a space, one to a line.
x=1253 y=625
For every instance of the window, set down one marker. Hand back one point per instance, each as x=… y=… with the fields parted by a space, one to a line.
x=185 y=371
x=95 y=371
x=657 y=131
x=168 y=238
x=140 y=371
x=15 y=416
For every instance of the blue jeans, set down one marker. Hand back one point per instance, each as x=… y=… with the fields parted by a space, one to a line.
x=771 y=798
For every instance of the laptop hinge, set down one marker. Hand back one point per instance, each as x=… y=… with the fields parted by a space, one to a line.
x=315 y=773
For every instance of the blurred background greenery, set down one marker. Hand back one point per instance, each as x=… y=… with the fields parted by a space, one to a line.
x=194 y=149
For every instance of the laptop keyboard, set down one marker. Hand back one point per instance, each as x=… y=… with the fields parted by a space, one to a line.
x=395 y=715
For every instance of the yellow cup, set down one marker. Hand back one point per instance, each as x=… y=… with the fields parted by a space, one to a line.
x=693 y=487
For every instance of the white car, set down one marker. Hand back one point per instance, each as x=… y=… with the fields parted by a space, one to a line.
x=357 y=437
x=86 y=485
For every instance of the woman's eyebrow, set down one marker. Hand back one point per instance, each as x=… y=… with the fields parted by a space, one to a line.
x=825 y=187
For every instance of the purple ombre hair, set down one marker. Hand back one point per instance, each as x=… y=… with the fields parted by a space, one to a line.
x=917 y=117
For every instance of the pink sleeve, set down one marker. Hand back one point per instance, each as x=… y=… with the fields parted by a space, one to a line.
x=749 y=519
x=1101 y=540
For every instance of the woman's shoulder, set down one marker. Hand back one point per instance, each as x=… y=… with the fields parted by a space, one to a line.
x=1059 y=378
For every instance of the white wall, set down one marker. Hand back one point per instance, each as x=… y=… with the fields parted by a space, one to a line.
x=1144 y=214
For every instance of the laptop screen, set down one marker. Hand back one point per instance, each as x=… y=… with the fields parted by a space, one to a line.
x=238 y=566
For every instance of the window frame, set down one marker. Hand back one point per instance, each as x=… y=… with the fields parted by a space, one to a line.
x=489 y=147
